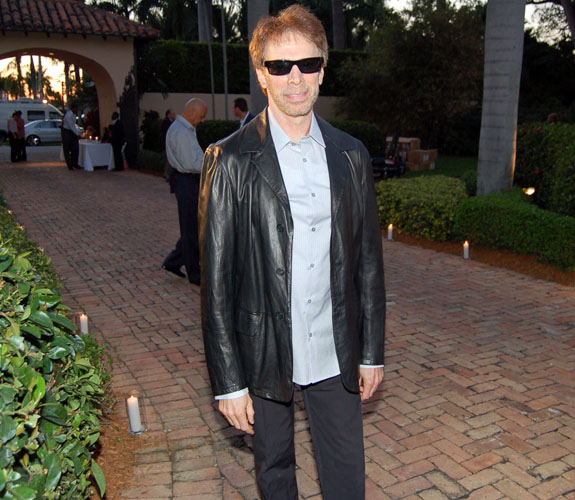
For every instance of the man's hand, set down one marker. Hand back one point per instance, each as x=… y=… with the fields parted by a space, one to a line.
x=239 y=412
x=369 y=380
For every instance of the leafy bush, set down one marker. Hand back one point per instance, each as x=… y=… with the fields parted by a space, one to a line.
x=151 y=161
x=19 y=240
x=510 y=221
x=368 y=133
x=49 y=391
x=422 y=206
x=164 y=66
x=151 y=128
x=546 y=161
x=212 y=131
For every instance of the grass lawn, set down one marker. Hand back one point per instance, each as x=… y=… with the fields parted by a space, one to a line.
x=452 y=166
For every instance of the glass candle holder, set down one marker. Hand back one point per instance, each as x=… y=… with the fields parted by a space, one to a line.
x=135 y=410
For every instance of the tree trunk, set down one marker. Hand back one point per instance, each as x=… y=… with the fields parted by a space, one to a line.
x=256 y=10
x=40 y=77
x=204 y=20
x=20 y=79
x=569 y=9
x=338 y=24
x=33 y=85
x=502 y=75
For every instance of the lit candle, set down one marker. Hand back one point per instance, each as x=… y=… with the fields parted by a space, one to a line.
x=83 y=323
x=134 y=415
x=390 y=232
x=466 y=250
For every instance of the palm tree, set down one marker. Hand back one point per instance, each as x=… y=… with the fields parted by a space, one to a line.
x=502 y=75
x=256 y=10
x=338 y=24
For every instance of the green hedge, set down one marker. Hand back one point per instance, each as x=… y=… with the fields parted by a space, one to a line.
x=546 y=161
x=212 y=131
x=510 y=221
x=49 y=391
x=175 y=66
x=421 y=206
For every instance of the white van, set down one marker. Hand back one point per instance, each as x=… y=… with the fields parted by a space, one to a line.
x=32 y=109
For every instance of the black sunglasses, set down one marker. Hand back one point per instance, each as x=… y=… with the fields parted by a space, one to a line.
x=283 y=67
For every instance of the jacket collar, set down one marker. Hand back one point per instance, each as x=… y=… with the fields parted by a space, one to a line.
x=257 y=140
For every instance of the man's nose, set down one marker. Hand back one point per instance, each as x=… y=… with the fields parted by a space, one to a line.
x=295 y=75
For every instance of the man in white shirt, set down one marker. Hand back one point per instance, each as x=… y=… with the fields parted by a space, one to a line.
x=292 y=270
x=185 y=156
x=70 y=137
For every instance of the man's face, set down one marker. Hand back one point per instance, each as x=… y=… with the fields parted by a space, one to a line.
x=237 y=112
x=196 y=115
x=294 y=94
x=171 y=115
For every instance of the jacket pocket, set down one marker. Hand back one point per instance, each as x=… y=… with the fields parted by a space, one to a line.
x=248 y=323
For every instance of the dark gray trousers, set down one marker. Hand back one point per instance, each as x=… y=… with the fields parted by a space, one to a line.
x=335 y=420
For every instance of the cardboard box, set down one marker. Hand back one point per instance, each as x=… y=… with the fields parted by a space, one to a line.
x=405 y=143
x=422 y=155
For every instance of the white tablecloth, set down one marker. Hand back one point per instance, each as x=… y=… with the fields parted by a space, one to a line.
x=96 y=154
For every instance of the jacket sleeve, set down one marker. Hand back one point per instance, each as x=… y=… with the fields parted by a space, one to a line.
x=372 y=285
x=217 y=214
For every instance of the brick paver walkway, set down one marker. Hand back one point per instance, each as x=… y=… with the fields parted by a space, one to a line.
x=478 y=401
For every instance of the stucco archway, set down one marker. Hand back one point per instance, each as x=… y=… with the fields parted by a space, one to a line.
x=108 y=64
x=100 y=42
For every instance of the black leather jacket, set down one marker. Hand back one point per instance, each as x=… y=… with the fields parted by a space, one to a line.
x=246 y=233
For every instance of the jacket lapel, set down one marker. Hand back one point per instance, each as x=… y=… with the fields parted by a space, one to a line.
x=258 y=142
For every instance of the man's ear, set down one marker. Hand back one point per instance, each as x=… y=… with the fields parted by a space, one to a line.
x=321 y=73
x=261 y=78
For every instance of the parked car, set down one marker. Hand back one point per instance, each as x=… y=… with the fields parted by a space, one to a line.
x=40 y=131
x=31 y=110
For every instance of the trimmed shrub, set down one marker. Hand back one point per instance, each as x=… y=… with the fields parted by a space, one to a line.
x=368 y=133
x=546 y=161
x=212 y=131
x=49 y=391
x=421 y=206
x=151 y=161
x=163 y=66
x=510 y=221
x=151 y=129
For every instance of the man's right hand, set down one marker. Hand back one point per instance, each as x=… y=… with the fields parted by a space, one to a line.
x=239 y=412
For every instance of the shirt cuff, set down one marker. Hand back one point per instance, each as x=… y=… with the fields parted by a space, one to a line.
x=371 y=366
x=233 y=395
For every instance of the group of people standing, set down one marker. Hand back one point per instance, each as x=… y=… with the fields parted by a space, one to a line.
x=17 y=137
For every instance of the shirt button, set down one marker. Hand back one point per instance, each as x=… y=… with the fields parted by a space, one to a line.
x=280 y=271
x=310 y=335
x=313 y=195
x=309 y=301
x=280 y=228
x=305 y=160
x=312 y=265
x=279 y=316
x=313 y=229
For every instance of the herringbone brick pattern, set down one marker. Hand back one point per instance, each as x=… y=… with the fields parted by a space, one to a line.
x=478 y=400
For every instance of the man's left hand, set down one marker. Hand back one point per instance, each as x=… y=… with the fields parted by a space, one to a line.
x=369 y=380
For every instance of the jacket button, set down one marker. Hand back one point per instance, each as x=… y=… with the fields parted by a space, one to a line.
x=279 y=316
x=280 y=271
x=280 y=228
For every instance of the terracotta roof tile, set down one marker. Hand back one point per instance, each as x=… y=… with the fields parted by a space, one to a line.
x=67 y=17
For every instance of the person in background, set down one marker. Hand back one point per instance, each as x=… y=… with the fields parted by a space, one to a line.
x=70 y=135
x=242 y=112
x=292 y=270
x=21 y=140
x=185 y=156
x=117 y=140
x=13 y=137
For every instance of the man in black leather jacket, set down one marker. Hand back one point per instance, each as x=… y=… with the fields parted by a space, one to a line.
x=292 y=270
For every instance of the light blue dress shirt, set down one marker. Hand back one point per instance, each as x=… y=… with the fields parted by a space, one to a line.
x=182 y=148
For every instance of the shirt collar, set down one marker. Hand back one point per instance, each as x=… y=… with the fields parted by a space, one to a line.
x=184 y=122
x=281 y=139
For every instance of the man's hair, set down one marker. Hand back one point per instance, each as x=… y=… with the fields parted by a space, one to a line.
x=168 y=112
x=241 y=103
x=293 y=20
x=115 y=115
